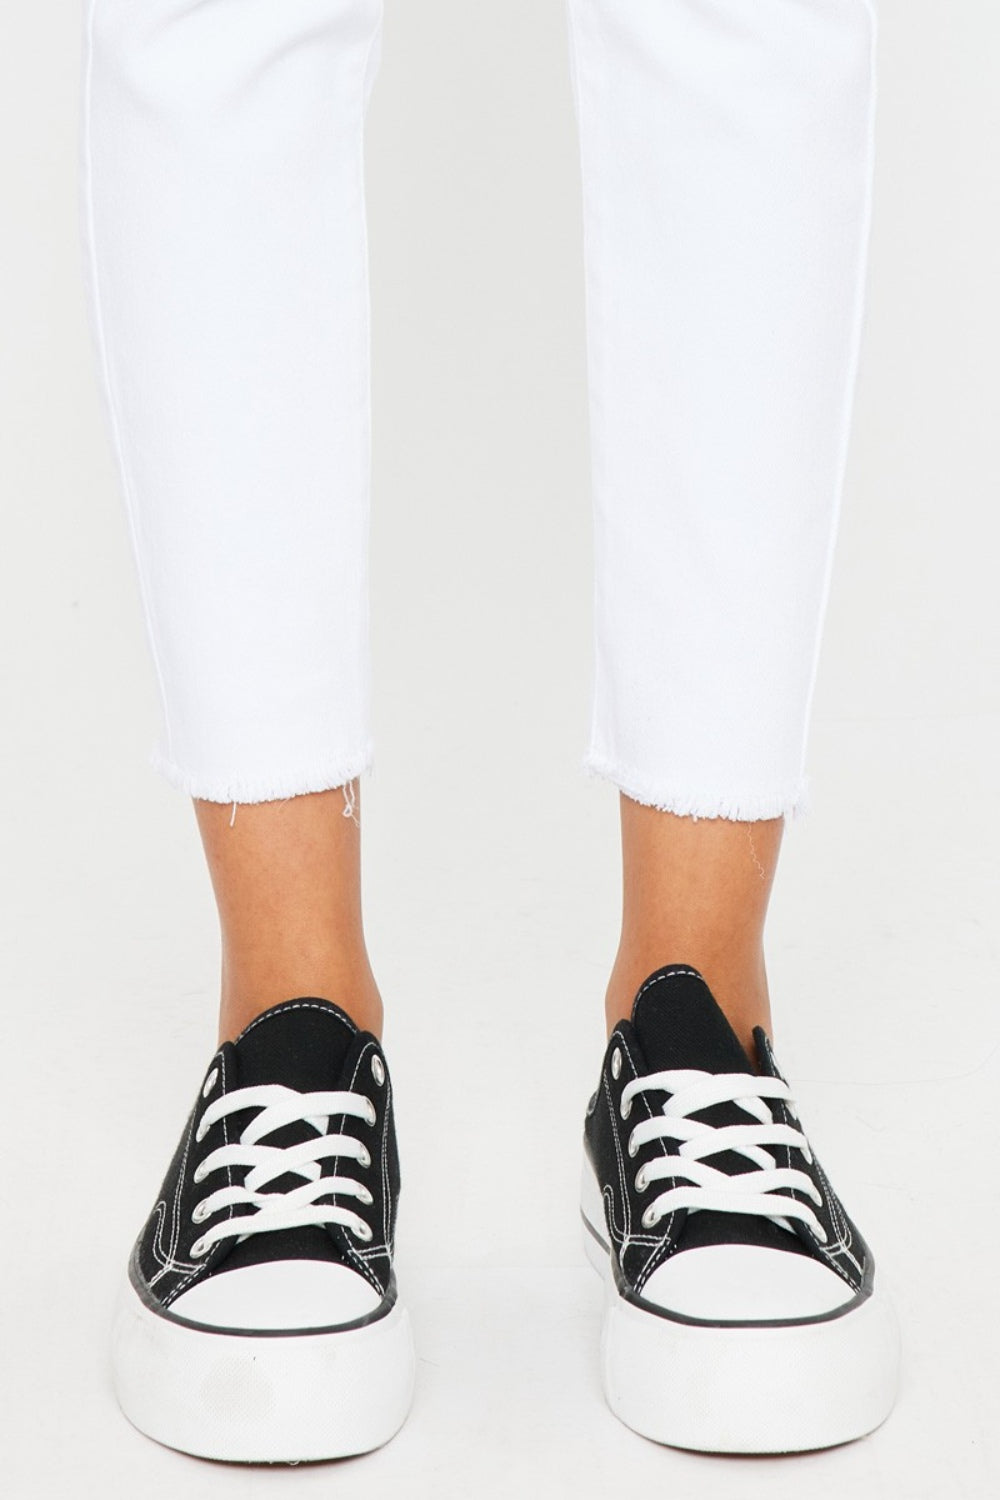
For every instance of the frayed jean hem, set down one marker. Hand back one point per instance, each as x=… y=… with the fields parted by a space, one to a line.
x=703 y=802
x=322 y=776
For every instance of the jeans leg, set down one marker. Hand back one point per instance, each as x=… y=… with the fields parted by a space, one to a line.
x=726 y=150
x=224 y=225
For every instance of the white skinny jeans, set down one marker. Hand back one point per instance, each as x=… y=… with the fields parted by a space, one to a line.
x=726 y=154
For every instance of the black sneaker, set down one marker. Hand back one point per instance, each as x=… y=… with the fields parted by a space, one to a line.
x=260 y=1320
x=743 y=1312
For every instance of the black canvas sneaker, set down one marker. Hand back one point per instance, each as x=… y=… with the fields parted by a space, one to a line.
x=259 y=1321
x=743 y=1311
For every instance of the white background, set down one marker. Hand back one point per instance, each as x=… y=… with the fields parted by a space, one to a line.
x=491 y=861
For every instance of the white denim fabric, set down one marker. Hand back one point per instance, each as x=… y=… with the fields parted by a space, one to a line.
x=726 y=150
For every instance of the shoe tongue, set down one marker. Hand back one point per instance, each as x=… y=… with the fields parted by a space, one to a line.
x=679 y=1025
x=302 y=1044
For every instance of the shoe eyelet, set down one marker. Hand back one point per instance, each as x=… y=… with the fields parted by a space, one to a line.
x=365 y=1158
x=625 y=1108
x=372 y=1113
x=198 y=1249
x=362 y=1231
x=650 y=1218
x=199 y=1213
x=632 y=1147
x=210 y=1082
x=199 y=1174
x=616 y=1064
x=365 y=1196
x=378 y=1069
x=641 y=1180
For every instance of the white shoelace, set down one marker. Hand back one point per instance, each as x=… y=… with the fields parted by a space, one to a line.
x=278 y=1106
x=763 y=1192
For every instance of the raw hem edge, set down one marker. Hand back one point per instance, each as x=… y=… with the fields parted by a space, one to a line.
x=322 y=778
x=753 y=808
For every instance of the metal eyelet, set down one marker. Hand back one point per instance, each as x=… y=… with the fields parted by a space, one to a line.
x=625 y=1108
x=210 y=1082
x=365 y=1157
x=372 y=1115
x=650 y=1218
x=198 y=1249
x=365 y=1196
x=378 y=1069
x=362 y=1231
x=641 y=1180
x=199 y=1212
x=632 y=1147
x=199 y=1174
x=616 y=1064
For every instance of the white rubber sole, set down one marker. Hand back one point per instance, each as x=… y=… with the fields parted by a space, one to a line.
x=718 y=1389
x=262 y=1398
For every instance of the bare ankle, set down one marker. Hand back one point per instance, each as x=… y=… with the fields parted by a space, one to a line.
x=354 y=991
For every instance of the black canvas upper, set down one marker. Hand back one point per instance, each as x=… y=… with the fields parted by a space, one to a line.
x=309 y=1045
x=677 y=1024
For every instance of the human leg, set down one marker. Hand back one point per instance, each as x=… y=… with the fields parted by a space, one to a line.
x=224 y=223
x=726 y=152
x=696 y=891
x=726 y=172
x=287 y=881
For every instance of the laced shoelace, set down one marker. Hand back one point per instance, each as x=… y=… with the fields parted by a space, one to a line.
x=764 y=1192
x=276 y=1107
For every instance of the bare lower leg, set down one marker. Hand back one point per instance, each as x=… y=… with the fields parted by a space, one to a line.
x=287 y=881
x=696 y=891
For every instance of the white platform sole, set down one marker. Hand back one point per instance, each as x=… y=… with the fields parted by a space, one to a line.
x=262 y=1398
x=782 y=1389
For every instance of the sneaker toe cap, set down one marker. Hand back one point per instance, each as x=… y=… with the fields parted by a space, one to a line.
x=279 y=1294
x=739 y=1283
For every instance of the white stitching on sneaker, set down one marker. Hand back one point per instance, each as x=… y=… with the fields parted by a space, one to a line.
x=838 y=1252
x=359 y=1259
x=195 y=1270
x=662 y=979
x=625 y=1237
x=289 y=1005
x=167 y=1258
x=661 y=1242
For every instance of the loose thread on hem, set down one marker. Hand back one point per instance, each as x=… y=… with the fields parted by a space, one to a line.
x=350 y=803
